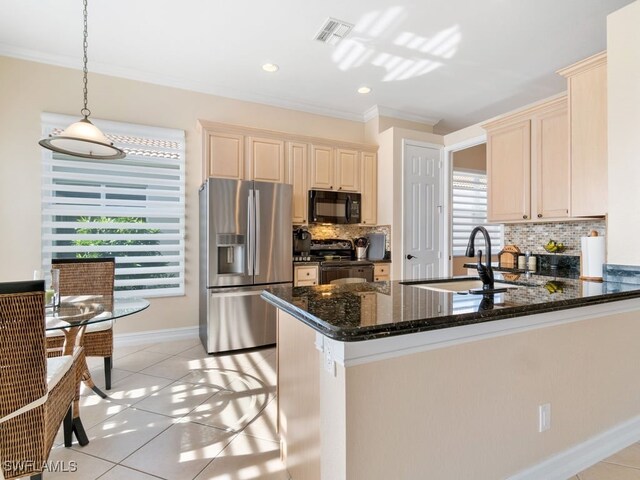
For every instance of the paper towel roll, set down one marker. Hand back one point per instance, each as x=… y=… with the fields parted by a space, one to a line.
x=593 y=251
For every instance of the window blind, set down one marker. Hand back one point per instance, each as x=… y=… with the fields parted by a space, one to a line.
x=131 y=209
x=470 y=210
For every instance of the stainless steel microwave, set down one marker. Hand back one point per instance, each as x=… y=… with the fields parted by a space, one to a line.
x=334 y=207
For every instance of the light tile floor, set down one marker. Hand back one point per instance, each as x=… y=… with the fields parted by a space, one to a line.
x=175 y=412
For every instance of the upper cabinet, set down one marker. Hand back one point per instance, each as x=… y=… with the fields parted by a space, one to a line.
x=266 y=160
x=587 y=89
x=528 y=164
x=334 y=168
x=298 y=158
x=369 y=188
x=322 y=169
x=223 y=155
x=242 y=153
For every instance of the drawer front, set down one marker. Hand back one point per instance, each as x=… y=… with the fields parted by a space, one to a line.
x=381 y=270
x=306 y=283
x=306 y=273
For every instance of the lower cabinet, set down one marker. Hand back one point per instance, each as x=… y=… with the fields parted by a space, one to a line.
x=305 y=275
x=382 y=272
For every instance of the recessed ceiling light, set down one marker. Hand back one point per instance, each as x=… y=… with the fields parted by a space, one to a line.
x=270 y=67
x=364 y=90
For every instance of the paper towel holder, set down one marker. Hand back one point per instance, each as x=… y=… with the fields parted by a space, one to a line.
x=583 y=260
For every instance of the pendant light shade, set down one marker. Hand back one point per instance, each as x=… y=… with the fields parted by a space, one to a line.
x=82 y=138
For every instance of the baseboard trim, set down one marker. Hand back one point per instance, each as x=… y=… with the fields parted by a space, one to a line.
x=572 y=461
x=155 y=336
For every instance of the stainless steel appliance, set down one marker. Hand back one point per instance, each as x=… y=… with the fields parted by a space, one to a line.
x=377 y=246
x=301 y=245
x=245 y=246
x=336 y=261
x=334 y=207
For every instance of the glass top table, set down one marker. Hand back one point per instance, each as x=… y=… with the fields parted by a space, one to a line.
x=71 y=319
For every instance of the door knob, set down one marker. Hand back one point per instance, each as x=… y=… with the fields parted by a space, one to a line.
x=409 y=257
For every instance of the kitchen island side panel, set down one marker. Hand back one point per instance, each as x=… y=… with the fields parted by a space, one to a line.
x=471 y=410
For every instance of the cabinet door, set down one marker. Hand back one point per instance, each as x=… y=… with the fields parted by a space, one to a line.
x=297 y=157
x=321 y=174
x=588 y=105
x=224 y=155
x=348 y=170
x=508 y=172
x=266 y=160
x=550 y=185
x=369 y=188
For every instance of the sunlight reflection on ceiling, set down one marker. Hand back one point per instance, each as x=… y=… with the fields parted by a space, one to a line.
x=411 y=56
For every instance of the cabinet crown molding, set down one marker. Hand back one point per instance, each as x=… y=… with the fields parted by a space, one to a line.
x=584 y=65
x=528 y=112
x=218 y=127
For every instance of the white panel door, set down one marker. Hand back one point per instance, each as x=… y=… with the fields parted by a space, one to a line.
x=423 y=227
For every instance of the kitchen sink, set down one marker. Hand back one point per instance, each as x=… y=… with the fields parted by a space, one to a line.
x=463 y=286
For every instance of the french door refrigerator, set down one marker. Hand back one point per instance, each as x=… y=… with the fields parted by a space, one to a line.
x=245 y=246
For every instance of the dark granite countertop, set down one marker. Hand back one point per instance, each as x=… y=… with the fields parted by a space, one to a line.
x=366 y=311
x=543 y=271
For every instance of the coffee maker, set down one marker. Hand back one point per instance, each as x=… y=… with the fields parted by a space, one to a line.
x=301 y=245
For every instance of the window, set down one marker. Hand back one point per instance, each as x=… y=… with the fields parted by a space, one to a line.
x=131 y=209
x=470 y=210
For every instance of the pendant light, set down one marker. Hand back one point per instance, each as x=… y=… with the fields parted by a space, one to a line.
x=83 y=138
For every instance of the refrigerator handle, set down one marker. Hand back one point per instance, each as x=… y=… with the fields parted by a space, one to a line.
x=250 y=233
x=257 y=239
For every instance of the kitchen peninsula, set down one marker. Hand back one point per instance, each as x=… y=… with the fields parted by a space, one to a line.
x=404 y=380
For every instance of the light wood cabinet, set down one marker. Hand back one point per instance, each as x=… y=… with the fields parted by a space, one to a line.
x=587 y=90
x=347 y=170
x=223 y=155
x=508 y=172
x=305 y=275
x=321 y=167
x=369 y=188
x=243 y=153
x=381 y=272
x=528 y=164
x=266 y=160
x=298 y=157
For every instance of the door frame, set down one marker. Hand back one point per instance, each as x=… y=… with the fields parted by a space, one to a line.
x=448 y=195
x=443 y=264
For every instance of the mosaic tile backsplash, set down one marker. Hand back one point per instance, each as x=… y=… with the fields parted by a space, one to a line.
x=532 y=236
x=350 y=232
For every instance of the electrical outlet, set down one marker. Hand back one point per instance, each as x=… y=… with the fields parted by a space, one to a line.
x=329 y=364
x=544 y=417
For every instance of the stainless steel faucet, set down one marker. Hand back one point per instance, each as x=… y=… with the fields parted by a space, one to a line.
x=485 y=272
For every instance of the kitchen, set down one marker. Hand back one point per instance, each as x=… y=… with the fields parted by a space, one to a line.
x=148 y=103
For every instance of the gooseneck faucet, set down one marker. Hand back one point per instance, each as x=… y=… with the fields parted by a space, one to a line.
x=485 y=272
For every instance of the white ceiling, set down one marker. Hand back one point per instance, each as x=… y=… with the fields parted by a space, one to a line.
x=453 y=61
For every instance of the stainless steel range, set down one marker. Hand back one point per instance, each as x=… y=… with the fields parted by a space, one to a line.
x=336 y=258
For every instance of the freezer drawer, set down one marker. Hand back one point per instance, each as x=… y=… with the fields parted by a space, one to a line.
x=238 y=318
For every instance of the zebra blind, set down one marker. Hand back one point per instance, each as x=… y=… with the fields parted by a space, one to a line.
x=470 y=210
x=131 y=209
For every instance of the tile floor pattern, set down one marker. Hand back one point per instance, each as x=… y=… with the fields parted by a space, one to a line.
x=175 y=412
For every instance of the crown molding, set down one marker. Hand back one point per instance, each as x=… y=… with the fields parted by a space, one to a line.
x=382 y=111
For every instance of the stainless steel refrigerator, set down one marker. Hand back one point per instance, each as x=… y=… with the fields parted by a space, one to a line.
x=245 y=246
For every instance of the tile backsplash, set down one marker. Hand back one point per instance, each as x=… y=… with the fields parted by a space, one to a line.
x=532 y=236
x=350 y=232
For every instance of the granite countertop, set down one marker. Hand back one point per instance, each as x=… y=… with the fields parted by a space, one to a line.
x=543 y=271
x=366 y=311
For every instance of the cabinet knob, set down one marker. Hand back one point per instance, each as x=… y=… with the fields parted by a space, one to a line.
x=307 y=274
x=330 y=186
x=339 y=188
x=525 y=216
x=539 y=215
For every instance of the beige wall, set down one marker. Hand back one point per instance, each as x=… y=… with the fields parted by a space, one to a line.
x=471 y=411
x=472 y=158
x=27 y=89
x=623 y=67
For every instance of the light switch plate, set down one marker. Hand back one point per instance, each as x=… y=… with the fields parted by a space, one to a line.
x=544 y=417
x=329 y=363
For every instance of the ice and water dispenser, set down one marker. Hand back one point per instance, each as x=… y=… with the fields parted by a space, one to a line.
x=231 y=253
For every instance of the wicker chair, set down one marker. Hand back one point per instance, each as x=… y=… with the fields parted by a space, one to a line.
x=29 y=418
x=88 y=276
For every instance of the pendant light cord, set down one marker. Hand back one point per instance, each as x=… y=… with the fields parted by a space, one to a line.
x=85 y=111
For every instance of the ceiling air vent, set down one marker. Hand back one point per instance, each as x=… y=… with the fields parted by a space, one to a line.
x=333 y=31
